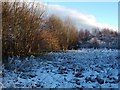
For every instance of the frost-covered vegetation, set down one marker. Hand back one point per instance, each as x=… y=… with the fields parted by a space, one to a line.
x=104 y=38
x=86 y=68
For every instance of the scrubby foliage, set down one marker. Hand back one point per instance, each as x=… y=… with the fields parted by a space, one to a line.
x=105 y=38
x=65 y=31
x=27 y=30
x=20 y=22
x=47 y=41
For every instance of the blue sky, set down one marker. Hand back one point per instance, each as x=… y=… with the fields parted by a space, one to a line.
x=105 y=12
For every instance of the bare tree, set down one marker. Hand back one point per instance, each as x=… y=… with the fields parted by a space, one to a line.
x=72 y=34
x=21 y=21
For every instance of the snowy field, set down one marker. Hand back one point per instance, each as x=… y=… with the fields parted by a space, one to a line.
x=86 y=68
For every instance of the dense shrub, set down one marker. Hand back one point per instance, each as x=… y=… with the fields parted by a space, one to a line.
x=56 y=25
x=64 y=30
x=49 y=41
x=20 y=21
x=72 y=34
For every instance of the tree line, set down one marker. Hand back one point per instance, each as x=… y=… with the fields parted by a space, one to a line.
x=26 y=30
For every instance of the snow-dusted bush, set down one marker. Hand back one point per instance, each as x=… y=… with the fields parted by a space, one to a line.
x=21 y=21
x=65 y=31
x=48 y=41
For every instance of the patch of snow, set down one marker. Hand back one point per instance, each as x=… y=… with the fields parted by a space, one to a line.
x=87 y=68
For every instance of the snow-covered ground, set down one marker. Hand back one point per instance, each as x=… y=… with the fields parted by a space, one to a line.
x=87 y=68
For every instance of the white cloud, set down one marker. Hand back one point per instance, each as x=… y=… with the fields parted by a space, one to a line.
x=80 y=19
